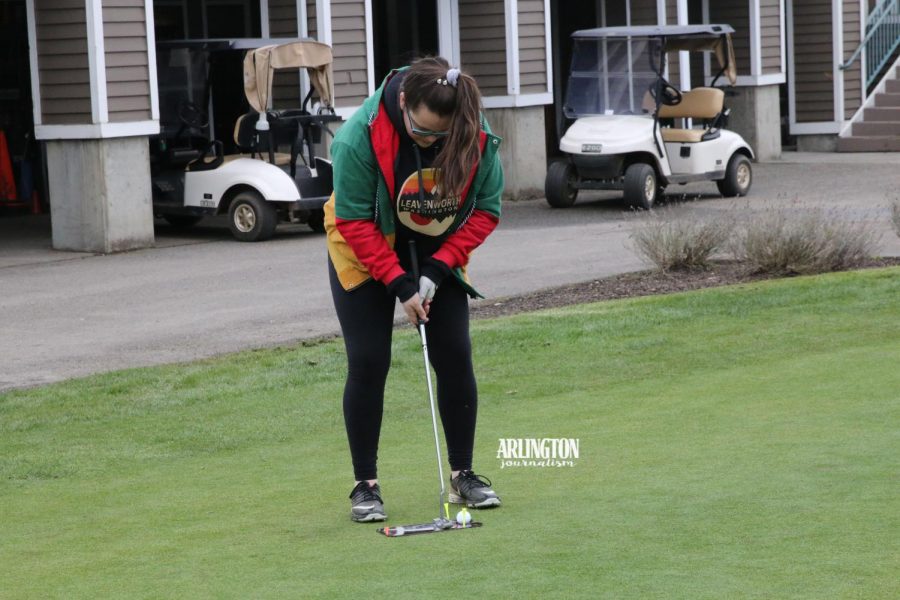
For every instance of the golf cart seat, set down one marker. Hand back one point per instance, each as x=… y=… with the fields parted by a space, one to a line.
x=251 y=144
x=702 y=103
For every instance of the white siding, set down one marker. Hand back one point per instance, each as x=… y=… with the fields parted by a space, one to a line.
x=283 y=18
x=311 y=23
x=348 y=36
x=736 y=14
x=63 y=61
x=770 y=35
x=643 y=12
x=853 y=76
x=482 y=41
x=283 y=24
x=127 y=71
x=532 y=47
x=813 y=64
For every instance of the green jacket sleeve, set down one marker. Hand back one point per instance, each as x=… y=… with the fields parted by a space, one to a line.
x=490 y=192
x=355 y=182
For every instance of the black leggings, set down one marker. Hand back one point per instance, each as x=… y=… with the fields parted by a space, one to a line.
x=366 y=315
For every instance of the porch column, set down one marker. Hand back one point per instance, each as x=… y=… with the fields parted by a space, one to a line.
x=93 y=71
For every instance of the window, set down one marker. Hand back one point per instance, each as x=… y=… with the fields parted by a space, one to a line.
x=403 y=30
x=190 y=19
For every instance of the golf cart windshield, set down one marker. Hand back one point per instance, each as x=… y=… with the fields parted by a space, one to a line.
x=612 y=76
x=182 y=76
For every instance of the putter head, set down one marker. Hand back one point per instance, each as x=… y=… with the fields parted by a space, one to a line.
x=442 y=523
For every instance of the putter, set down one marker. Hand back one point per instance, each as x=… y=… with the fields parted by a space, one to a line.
x=443 y=522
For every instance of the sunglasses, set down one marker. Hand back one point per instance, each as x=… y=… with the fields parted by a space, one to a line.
x=423 y=132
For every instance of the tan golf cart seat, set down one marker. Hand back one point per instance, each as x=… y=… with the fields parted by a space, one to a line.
x=244 y=132
x=703 y=104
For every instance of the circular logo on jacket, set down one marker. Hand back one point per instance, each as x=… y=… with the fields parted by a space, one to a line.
x=429 y=215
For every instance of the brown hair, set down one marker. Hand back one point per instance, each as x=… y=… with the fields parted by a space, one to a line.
x=462 y=102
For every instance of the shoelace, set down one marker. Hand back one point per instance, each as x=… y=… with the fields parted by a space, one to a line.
x=368 y=493
x=475 y=480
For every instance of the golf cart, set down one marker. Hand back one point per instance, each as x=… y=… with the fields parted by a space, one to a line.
x=626 y=135
x=222 y=149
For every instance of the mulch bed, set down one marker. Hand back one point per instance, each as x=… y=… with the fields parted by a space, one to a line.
x=630 y=285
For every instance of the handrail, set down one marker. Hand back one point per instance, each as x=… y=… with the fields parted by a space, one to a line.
x=882 y=38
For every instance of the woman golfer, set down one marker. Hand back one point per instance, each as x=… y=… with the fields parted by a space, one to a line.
x=416 y=162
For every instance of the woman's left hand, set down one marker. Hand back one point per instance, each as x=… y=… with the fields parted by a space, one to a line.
x=415 y=311
x=427 y=288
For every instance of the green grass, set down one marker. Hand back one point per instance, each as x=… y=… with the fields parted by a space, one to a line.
x=737 y=442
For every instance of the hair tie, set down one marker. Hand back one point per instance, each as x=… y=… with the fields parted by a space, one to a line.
x=452 y=76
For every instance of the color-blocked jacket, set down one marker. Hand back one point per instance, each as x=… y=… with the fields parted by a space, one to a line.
x=359 y=216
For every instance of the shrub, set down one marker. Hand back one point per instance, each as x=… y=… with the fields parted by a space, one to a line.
x=679 y=243
x=803 y=240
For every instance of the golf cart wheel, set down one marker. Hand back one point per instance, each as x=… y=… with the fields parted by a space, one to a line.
x=559 y=186
x=182 y=221
x=251 y=218
x=738 y=177
x=641 y=186
x=316 y=221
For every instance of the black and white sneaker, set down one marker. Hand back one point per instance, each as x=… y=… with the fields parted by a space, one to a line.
x=473 y=490
x=366 y=503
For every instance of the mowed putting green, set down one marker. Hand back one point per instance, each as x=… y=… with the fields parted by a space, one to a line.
x=738 y=442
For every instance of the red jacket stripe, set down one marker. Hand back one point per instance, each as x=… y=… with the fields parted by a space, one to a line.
x=371 y=248
x=385 y=144
x=455 y=250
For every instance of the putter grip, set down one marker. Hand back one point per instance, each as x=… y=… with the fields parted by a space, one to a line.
x=414 y=260
x=414 y=263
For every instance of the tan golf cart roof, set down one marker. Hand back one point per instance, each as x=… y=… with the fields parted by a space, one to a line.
x=261 y=63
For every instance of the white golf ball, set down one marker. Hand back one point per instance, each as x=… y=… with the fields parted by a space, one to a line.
x=463 y=517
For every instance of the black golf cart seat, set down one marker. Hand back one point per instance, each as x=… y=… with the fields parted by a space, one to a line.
x=702 y=103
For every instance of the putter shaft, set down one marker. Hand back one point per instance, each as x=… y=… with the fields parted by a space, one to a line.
x=437 y=440
x=443 y=513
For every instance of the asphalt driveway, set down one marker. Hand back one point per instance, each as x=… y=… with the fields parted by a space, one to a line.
x=68 y=314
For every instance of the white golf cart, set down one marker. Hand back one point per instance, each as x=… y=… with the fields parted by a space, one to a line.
x=231 y=163
x=627 y=135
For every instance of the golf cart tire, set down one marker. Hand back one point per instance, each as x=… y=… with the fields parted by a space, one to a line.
x=182 y=221
x=316 y=221
x=637 y=185
x=258 y=217
x=558 y=187
x=738 y=177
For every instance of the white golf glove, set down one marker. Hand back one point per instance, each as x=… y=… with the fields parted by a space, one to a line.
x=427 y=288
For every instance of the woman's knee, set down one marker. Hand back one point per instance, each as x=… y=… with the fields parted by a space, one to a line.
x=452 y=360
x=369 y=364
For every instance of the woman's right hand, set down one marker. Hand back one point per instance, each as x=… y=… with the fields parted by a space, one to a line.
x=415 y=310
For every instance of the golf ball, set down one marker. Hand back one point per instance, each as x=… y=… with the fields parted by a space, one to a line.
x=463 y=517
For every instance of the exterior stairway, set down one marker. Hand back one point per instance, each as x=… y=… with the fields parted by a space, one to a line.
x=877 y=127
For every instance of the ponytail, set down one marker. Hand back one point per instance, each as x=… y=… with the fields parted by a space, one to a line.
x=447 y=91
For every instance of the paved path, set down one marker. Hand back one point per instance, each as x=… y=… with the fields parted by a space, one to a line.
x=69 y=314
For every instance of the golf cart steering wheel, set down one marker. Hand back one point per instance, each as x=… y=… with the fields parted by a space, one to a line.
x=669 y=94
x=191 y=115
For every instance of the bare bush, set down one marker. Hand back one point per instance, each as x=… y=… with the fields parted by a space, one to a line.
x=803 y=240
x=680 y=243
x=895 y=216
